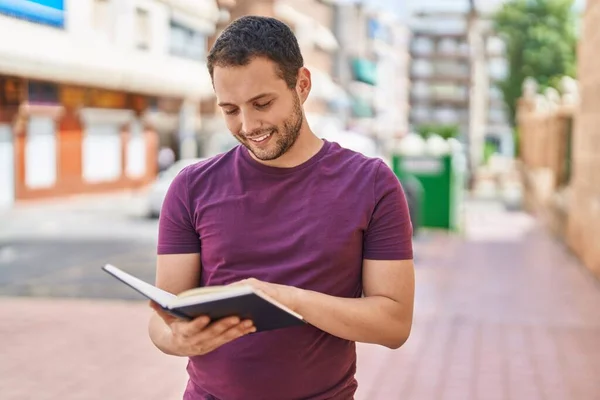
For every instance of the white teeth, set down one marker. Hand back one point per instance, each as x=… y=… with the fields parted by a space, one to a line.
x=261 y=138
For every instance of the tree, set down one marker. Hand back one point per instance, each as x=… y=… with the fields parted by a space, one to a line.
x=541 y=40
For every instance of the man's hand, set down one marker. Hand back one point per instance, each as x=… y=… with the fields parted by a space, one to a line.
x=199 y=336
x=286 y=295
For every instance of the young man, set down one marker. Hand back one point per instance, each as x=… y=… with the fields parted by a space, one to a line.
x=322 y=229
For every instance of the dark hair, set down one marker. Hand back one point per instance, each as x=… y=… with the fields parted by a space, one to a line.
x=253 y=36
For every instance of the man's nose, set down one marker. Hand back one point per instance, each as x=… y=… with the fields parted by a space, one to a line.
x=250 y=123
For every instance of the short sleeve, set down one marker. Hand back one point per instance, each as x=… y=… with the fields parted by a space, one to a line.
x=389 y=234
x=176 y=231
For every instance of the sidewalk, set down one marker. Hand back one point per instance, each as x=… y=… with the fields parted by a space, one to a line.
x=82 y=350
x=113 y=214
x=505 y=313
x=502 y=313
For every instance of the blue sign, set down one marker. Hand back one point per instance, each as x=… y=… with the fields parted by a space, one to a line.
x=376 y=30
x=47 y=12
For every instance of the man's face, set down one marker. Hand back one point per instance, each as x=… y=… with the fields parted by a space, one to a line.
x=260 y=110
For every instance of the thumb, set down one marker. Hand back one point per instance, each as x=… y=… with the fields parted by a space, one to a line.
x=238 y=283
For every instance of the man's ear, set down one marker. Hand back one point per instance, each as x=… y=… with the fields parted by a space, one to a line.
x=303 y=84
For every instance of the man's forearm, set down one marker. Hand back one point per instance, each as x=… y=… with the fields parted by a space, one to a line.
x=161 y=336
x=374 y=319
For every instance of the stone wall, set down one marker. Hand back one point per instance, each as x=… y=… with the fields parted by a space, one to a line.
x=545 y=133
x=560 y=149
x=584 y=211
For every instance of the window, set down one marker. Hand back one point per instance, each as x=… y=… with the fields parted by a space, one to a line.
x=42 y=93
x=40 y=152
x=187 y=42
x=101 y=21
x=377 y=30
x=11 y=91
x=142 y=29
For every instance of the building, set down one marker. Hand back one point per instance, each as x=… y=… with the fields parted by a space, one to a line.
x=440 y=70
x=372 y=63
x=389 y=42
x=90 y=89
x=456 y=63
x=499 y=133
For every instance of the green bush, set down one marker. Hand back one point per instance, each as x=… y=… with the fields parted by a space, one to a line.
x=445 y=131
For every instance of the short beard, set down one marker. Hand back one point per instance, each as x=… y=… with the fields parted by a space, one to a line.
x=285 y=140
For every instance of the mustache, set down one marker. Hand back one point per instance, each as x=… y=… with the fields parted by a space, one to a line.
x=258 y=132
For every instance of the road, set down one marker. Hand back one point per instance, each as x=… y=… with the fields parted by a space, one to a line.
x=56 y=249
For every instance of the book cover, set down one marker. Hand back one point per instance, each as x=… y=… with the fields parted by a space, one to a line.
x=216 y=302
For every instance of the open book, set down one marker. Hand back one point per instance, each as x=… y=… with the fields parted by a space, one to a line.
x=216 y=302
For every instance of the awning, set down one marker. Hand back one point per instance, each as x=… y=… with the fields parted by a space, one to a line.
x=40 y=52
x=364 y=70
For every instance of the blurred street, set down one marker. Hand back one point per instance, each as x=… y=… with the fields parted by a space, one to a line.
x=56 y=248
x=485 y=110
x=503 y=311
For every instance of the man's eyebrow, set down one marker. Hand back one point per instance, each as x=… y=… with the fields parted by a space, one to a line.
x=257 y=97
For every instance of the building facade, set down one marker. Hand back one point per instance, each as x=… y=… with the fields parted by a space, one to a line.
x=90 y=89
x=441 y=70
x=456 y=63
x=372 y=63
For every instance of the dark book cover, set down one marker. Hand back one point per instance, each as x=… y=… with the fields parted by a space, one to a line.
x=243 y=302
x=264 y=314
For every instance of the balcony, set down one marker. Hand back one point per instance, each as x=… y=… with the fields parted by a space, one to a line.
x=364 y=70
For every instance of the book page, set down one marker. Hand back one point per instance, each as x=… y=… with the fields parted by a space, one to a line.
x=150 y=291
x=203 y=290
x=199 y=296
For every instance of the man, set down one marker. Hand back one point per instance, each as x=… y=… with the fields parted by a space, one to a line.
x=322 y=229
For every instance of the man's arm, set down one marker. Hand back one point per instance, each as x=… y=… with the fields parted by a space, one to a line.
x=174 y=273
x=178 y=269
x=383 y=316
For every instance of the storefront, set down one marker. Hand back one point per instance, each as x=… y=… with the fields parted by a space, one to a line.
x=11 y=93
x=70 y=140
x=84 y=118
x=7 y=166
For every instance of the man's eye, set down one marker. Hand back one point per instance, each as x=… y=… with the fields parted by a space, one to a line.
x=231 y=112
x=265 y=105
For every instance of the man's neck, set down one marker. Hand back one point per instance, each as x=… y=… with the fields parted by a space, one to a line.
x=305 y=147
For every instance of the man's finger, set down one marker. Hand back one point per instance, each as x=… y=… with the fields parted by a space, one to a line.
x=195 y=326
x=234 y=332
x=217 y=328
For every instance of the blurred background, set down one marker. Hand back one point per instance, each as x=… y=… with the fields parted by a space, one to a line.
x=486 y=110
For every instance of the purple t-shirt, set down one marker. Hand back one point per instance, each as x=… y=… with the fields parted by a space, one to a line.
x=309 y=226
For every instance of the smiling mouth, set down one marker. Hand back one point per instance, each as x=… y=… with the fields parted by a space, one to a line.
x=261 y=138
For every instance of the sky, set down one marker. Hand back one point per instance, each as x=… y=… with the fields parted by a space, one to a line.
x=402 y=8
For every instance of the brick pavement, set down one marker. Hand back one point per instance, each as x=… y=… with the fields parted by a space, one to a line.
x=504 y=312
x=82 y=350
x=501 y=313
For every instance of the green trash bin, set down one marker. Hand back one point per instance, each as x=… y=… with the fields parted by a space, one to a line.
x=442 y=181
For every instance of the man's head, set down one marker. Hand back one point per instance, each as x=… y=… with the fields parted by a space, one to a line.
x=260 y=82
